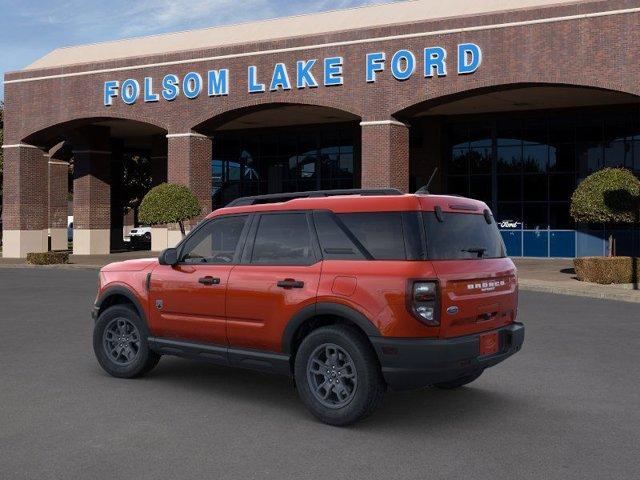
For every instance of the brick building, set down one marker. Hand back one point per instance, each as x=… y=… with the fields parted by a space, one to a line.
x=513 y=100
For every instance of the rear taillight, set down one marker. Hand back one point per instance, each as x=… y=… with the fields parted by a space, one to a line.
x=424 y=302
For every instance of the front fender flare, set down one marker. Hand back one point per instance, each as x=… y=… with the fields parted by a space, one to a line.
x=125 y=292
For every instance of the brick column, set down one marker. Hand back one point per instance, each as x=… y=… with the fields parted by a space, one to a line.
x=158 y=160
x=91 y=191
x=189 y=164
x=159 y=233
x=24 y=201
x=385 y=154
x=58 y=190
x=91 y=202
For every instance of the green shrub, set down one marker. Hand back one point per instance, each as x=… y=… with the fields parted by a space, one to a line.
x=607 y=270
x=168 y=203
x=48 y=258
x=610 y=195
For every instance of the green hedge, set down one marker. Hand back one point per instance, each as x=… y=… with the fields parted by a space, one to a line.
x=610 y=195
x=48 y=258
x=607 y=270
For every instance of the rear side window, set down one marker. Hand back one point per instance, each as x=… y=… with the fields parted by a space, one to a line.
x=462 y=236
x=283 y=239
x=381 y=233
x=336 y=241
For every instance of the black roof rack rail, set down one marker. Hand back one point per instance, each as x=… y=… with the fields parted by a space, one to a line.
x=283 y=197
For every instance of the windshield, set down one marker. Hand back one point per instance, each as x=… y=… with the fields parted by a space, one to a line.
x=462 y=236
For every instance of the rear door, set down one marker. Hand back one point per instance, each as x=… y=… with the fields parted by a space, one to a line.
x=478 y=282
x=187 y=301
x=278 y=275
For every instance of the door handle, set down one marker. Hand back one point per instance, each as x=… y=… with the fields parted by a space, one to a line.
x=290 y=283
x=209 y=280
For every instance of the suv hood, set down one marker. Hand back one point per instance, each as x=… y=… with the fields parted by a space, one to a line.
x=130 y=265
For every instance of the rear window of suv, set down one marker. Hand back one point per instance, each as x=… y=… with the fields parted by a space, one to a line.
x=462 y=236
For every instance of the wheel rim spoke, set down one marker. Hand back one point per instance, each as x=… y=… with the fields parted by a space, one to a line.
x=121 y=341
x=331 y=375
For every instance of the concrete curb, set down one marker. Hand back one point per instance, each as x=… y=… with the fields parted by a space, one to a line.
x=605 y=292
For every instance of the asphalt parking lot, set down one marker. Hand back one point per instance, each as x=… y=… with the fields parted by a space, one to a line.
x=565 y=407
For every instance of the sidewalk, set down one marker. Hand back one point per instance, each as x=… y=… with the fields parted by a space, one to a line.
x=557 y=276
x=534 y=274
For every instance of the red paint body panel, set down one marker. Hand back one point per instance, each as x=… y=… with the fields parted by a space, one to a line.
x=190 y=310
x=485 y=292
x=258 y=310
x=380 y=294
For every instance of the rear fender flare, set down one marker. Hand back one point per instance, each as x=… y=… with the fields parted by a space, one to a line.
x=325 y=308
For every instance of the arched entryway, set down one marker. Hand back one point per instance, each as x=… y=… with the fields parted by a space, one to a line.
x=522 y=149
x=276 y=148
x=102 y=166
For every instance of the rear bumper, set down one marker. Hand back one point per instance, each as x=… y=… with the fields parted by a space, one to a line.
x=415 y=363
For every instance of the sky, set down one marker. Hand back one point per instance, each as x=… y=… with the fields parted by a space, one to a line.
x=30 y=29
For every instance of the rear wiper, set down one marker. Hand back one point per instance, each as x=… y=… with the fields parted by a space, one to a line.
x=477 y=250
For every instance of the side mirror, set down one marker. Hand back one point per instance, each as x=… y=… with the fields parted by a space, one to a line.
x=168 y=257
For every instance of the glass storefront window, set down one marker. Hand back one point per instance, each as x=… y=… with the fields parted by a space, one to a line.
x=539 y=159
x=535 y=158
x=256 y=162
x=510 y=159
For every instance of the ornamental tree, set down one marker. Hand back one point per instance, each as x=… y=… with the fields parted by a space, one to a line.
x=169 y=203
x=609 y=196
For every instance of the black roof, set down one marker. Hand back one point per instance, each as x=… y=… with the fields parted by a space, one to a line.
x=283 y=197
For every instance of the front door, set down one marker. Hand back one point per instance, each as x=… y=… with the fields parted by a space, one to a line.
x=279 y=276
x=187 y=301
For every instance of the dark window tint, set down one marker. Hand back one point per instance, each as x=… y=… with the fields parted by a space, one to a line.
x=380 y=233
x=462 y=236
x=216 y=242
x=283 y=239
x=334 y=240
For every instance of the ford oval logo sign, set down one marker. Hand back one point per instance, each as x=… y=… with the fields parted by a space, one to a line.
x=452 y=310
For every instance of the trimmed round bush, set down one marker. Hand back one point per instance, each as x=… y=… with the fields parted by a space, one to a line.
x=168 y=203
x=610 y=195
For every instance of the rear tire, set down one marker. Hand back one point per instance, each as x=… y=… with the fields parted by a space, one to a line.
x=120 y=343
x=338 y=376
x=459 y=382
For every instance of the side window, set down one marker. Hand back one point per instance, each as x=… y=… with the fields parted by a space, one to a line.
x=334 y=242
x=381 y=233
x=283 y=239
x=216 y=242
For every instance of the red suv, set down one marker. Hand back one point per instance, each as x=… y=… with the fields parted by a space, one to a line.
x=348 y=292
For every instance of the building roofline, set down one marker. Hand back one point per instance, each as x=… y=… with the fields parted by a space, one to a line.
x=296 y=26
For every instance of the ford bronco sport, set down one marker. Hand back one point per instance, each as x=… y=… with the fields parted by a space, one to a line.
x=348 y=292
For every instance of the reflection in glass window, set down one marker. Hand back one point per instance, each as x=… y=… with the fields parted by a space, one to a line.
x=380 y=233
x=283 y=239
x=257 y=161
x=216 y=242
x=539 y=158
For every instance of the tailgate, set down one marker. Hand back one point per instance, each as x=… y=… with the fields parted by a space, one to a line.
x=476 y=295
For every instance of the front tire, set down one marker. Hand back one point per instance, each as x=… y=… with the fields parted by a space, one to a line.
x=338 y=376
x=120 y=343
